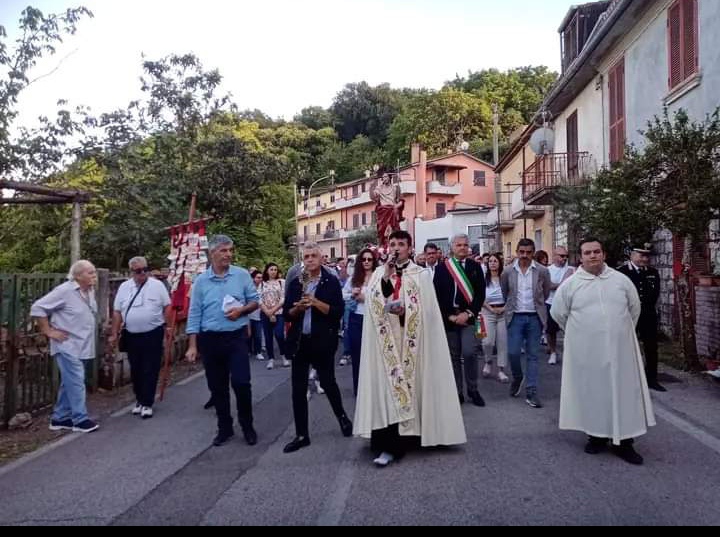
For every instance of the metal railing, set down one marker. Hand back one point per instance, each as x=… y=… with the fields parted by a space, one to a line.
x=556 y=170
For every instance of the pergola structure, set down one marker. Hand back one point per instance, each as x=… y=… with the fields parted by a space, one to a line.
x=43 y=195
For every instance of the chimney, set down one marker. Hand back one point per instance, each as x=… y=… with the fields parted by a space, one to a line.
x=415 y=153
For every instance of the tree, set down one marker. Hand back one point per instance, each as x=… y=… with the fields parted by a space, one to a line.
x=363 y=109
x=615 y=206
x=360 y=239
x=683 y=160
x=39 y=35
x=439 y=121
x=315 y=117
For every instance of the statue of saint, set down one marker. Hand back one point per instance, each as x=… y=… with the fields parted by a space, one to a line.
x=389 y=207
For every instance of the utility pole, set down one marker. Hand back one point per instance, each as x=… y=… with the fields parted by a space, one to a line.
x=75 y=231
x=496 y=134
x=498 y=179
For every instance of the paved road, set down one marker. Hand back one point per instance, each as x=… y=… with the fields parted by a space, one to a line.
x=517 y=469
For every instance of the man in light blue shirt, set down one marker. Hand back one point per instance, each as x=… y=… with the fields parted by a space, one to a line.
x=220 y=302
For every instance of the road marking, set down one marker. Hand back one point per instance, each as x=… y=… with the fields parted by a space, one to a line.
x=685 y=426
x=334 y=507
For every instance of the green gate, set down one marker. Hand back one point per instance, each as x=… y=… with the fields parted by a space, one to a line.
x=28 y=376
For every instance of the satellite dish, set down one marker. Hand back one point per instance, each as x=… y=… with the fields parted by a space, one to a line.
x=542 y=142
x=464 y=146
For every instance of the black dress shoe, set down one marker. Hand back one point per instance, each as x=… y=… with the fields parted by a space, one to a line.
x=210 y=404
x=656 y=386
x=250 y=435
x=299 y=443
x=596 y=445
x=346 y=426
x=222 y=438
x=476 y=399
x=628 y=454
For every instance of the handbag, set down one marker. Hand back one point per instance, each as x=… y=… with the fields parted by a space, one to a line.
x=124 y=334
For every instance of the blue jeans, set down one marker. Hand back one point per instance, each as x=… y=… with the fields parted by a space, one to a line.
x=525 y=330
x=354 y=333
x=71 y=395
x=278 y=329
x=347 y=346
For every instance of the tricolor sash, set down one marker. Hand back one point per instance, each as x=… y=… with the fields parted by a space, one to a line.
x=461 y=279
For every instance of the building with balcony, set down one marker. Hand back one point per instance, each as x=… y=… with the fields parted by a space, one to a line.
x=431 y=189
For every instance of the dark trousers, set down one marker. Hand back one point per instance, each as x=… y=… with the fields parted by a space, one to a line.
x=226 y=361
x=464 y=350
x=324 y=363
x=256 y=329
x=276 y=329
x=388 y=440
x=647 y=333
x=145 y=352
x=354 y=332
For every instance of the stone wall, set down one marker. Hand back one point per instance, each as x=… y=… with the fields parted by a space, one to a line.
x=708 y=321
x=662 y=259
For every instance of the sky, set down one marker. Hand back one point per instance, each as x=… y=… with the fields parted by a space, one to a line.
x=280 y=56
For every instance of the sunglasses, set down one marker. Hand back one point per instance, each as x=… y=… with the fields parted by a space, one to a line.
x=141 y=270
x=563 y=256
x=368 y=260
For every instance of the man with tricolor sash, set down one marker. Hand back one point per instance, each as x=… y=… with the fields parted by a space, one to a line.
x=460 y=287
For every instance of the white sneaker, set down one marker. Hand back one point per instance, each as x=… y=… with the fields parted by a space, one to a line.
x=384 y=459
x=137 y=410
x=286 y=362
x=502 y=377
x=487 y=371
x=260 y=358
x=319 y=389
x=553 y=359
x=146 y=413
x=343 y=361
x=271 y=364
x=313 y=375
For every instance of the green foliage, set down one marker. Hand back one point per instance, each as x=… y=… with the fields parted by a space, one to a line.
x=360 y=239
x=360 y=109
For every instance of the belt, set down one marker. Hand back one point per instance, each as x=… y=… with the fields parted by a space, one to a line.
x=525 y=313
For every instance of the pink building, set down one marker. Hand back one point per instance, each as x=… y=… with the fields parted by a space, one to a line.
x=430 y=189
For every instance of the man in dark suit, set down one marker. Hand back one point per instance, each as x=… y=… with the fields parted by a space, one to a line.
x=647 y=283
x=315 y=308
x=460 y=287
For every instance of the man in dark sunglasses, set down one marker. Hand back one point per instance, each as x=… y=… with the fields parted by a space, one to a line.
x=560 y=270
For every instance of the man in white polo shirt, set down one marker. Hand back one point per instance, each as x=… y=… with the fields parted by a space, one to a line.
x=143 y=305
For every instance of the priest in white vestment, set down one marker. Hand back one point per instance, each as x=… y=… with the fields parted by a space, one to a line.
x=406 y=388
x=604 y=391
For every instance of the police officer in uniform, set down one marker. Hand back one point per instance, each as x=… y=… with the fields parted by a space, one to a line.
x=647 y=282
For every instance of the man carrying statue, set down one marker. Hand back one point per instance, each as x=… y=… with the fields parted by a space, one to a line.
x=389 y=208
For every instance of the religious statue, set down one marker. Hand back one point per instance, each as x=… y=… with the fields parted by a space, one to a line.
x=389 y=208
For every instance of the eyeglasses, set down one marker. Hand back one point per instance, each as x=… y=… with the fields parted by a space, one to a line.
x=139 y=271
x=368 y=260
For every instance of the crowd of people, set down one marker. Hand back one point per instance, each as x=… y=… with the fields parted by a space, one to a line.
x=389 y=312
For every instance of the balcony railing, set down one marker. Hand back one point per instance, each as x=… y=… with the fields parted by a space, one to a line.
x=502 y=218
x=553 y=171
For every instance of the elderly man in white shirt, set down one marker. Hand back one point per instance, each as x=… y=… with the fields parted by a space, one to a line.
x=67 y=317
x=142 y=306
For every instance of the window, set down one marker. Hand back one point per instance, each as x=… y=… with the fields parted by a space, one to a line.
x=572 y=145
x=318 y=229
x=700 y=262
x=508 y=251
x=332 y=253
x=364 y=219
x=356 y=221
x=305 y=232
x=617 y=111
x=479 y=178
x=373 y=218
x=538 y=239
x=440 y=210
x=332 y=198
x=683 y=53
x=440 y=176
x=356 y=191
x=317 y=203
x=331 y=225
x=305 y=205
x=364 y=187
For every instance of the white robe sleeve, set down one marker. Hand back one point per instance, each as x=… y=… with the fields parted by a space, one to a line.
x=560 y=310
x=633 y=300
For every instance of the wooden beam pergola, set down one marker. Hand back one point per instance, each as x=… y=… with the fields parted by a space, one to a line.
x=43 y=195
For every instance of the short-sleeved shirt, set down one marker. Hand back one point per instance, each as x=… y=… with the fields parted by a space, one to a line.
x=148 y=309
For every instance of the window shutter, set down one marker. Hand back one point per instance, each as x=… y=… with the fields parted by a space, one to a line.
x=617 y=111
x=675 y=45
x=690 y=38
x=700 y=261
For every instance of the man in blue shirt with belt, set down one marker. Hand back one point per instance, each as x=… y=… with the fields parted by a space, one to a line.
x=221 y=300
